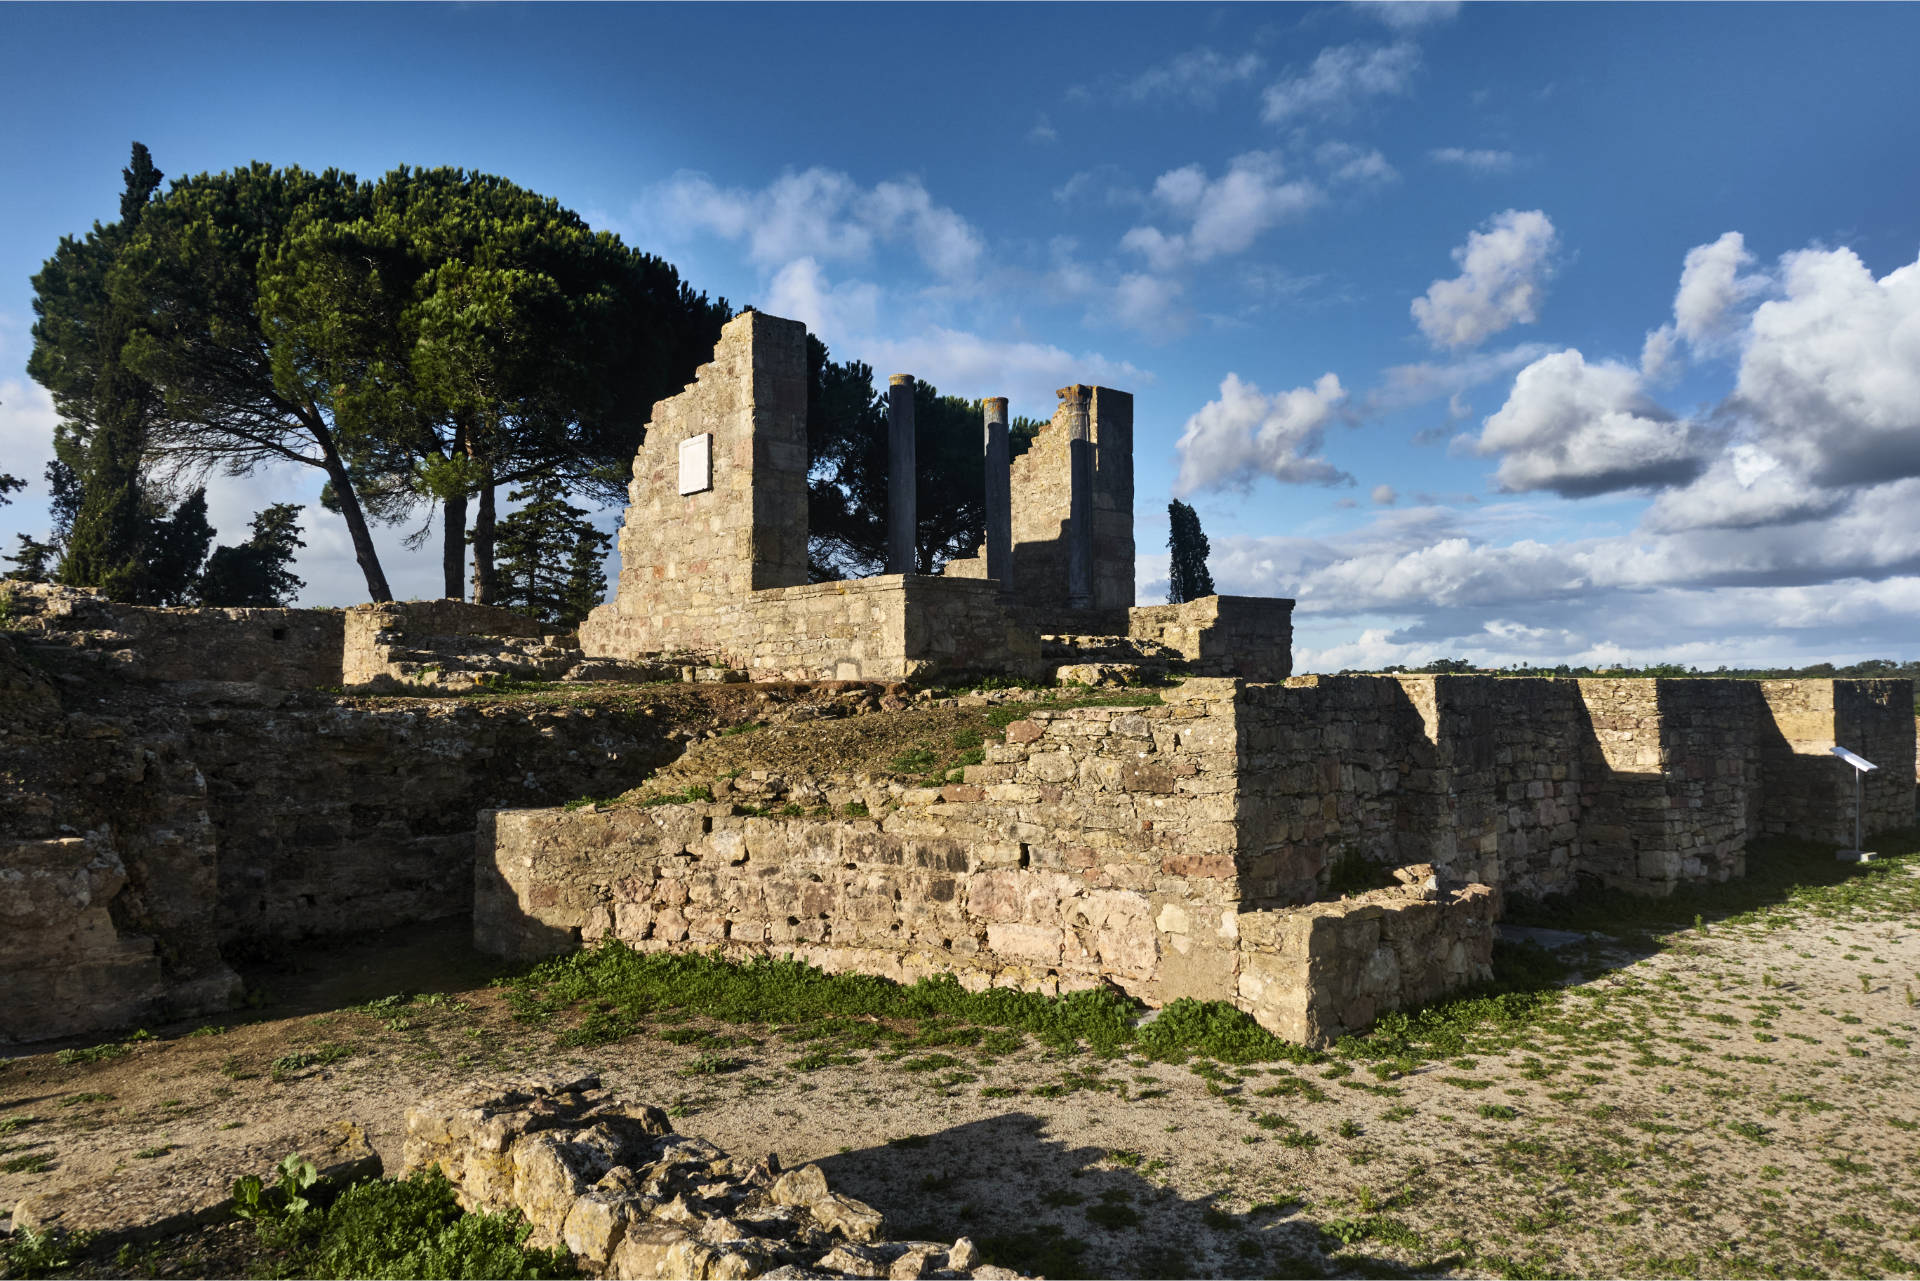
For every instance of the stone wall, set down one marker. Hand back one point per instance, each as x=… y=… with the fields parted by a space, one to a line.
x=145 y=827
x=1245 y=636
x=384 y=642
x=689 y=563
x=1811 y=791
x=283 y=648
x=723 y=572
x=1186 y=850
x=1041 y=484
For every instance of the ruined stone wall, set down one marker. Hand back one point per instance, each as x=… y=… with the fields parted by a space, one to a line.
x=1096 y=845
x=689 y=563
x=893 y=627
x=381 y=638
x=1246 y=636
x=334 y=819
x=1041 y=483
x=284 y=648
x=1184 y=850
x=1810 y=791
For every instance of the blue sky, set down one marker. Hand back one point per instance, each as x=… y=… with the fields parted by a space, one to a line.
x=1514 y=332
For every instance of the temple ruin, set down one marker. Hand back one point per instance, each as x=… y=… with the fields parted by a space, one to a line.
x=182 y=785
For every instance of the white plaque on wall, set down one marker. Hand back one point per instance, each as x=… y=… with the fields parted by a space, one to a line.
x=696 y=463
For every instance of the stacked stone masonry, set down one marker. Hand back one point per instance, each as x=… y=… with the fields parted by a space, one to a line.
x=716 y=563
x=1185 y=850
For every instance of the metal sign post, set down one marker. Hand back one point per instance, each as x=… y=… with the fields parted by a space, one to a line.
x=1860 y=767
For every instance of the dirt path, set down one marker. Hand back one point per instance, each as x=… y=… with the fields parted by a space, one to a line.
x=1740 y=1100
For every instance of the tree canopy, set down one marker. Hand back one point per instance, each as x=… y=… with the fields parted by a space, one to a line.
x=421 y=339
x=551 y=556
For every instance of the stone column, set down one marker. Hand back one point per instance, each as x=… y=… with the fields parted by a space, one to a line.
x=999 y=531
x=902 y=474
x=1080 y=497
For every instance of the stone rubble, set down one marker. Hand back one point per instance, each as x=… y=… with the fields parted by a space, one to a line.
x=630 y=1198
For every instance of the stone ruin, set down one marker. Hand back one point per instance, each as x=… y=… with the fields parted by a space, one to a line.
x=713 y=552
x=181 y=786
x=1184 y=850
x=629 y=1198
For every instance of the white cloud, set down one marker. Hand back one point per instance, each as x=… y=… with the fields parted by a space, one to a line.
x=1660 y=354
x=821 y=214
x=965 y=364
x=1244 y=435
x=1577 y=429
x=1742 y=488
x=1225 y=214
x=1406 y=15
x=1415 y=384
x=1385 y=495
x=1340 y=76
x=801 y=291
x=1473 y=159
x=26 y=434
x=1345 y=162
x=1147 y=303
x=1502 y=281
x=1830 y=373
x=1711 y=290
x=1043 y=131
x=1197 y=76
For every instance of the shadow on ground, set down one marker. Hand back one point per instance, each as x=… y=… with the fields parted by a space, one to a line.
x=1051 y=1209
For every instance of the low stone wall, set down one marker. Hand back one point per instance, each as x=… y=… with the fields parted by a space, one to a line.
x=630 y=1198
x=893 y=627
x=1315 y=974
x=282 y=648
x=383 y=642
x=1246 y=636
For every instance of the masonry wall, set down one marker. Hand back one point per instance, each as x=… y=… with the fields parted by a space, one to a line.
x=283 y=648
x=690 y=562
x=1041 y=488
x=378 y=637
x=1246 y=636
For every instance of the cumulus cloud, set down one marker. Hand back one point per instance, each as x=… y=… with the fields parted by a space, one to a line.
x=1225 y=215
x=1711 y=290
x=1408 y=15
x=1244 y=435
x=1742 y=488
x=1502 y=282
x=801 y=291
x=1473 y=159
x=1345 y=162
x=821 y=214
x=1578 y=429
x=1339 y=77
x=1197 y=77
x=1385 y=495
x=1145 y=302
x=1830 y=371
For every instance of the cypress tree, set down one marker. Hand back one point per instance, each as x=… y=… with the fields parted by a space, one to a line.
x=1188 y=578
x=111 y=522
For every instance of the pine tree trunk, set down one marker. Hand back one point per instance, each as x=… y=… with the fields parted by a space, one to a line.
x=453 y=549
x=349 y=501
x=483 y=522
